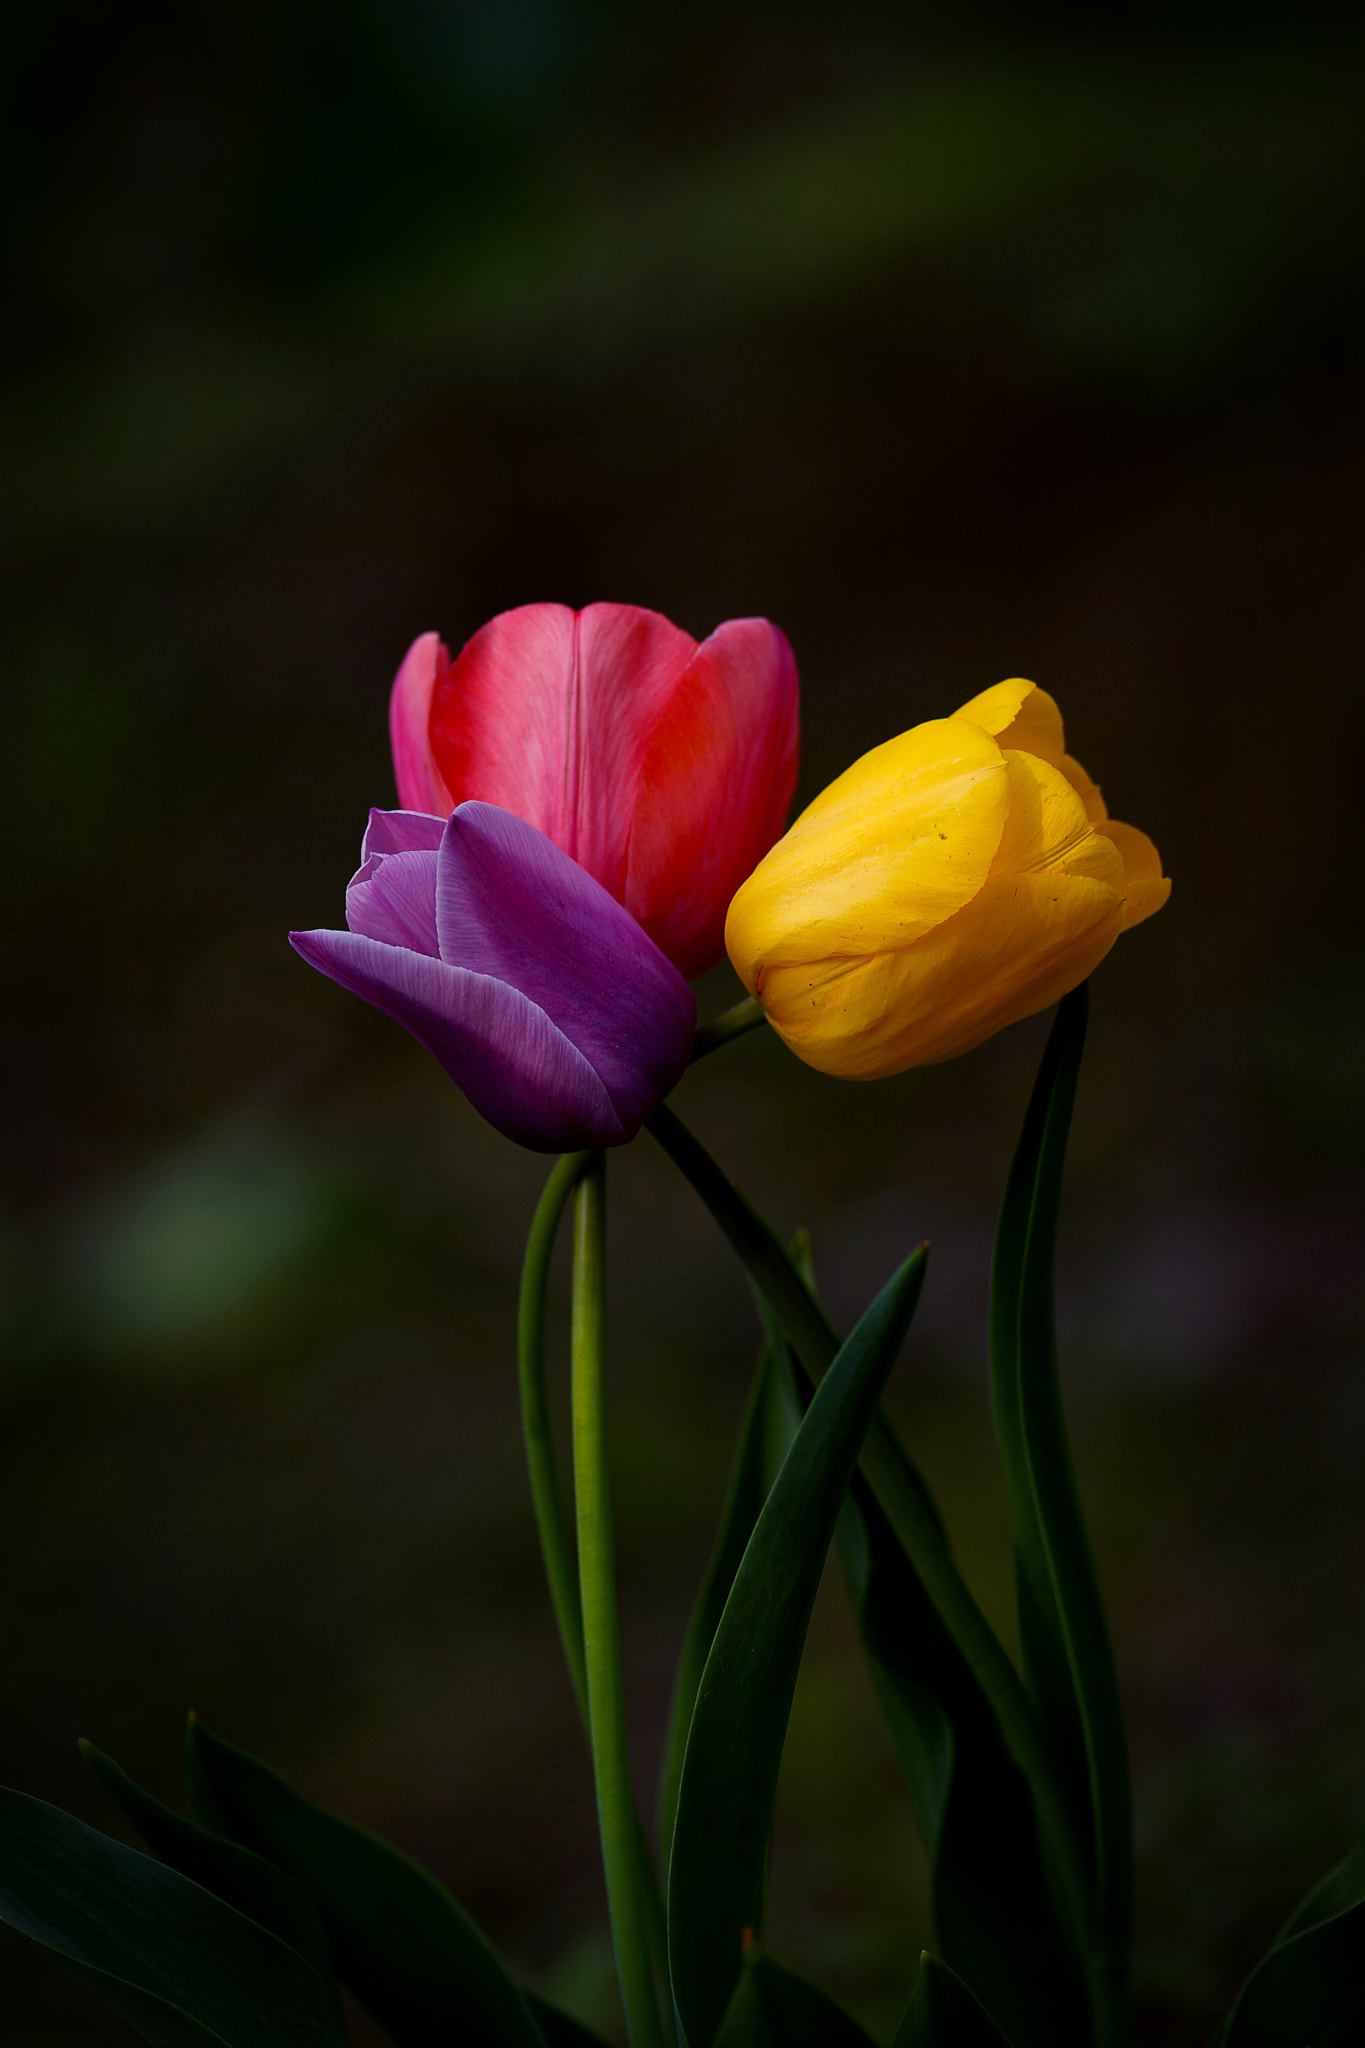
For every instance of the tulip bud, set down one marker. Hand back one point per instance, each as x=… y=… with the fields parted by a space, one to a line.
x=538 y=993
x=952 y=881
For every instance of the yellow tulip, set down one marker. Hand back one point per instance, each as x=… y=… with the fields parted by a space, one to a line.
x=950 y=882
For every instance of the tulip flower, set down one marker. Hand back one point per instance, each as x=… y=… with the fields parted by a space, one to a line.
x=538 y=993
x=665 y=768
x=950 y=882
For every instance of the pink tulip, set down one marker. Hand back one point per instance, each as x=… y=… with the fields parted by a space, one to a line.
x=664 y=768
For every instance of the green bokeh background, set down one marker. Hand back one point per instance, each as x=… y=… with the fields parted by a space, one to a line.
x=963 y=342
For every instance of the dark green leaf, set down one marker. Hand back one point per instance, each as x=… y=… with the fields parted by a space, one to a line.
x=1067 y=1651
x=237 y=1876
x=993 y=1912
x=774 y=2008
x=1309 y=1992
x=179 y=1965
x=717 y=1876
x=561 y=2029
x=400 y=1942
x=943 y=2014
x=747 y=1491
x=1341 y=1888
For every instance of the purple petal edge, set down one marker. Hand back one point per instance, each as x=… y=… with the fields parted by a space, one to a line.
x=518 y=1070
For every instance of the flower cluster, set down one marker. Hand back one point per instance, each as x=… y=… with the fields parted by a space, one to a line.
x=592 y=799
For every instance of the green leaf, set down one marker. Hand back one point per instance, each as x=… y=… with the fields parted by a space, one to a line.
x=745 y=1496
x=1342 y=1887
x=179 y=1965
x=943 y=2014
x=717 y=1875
x=1308 y=1992
x=774 y=2008
x=400 y=1942
x=994 y=1916
x=561 y=2029
x=237 y=1876
x=1067 y=1652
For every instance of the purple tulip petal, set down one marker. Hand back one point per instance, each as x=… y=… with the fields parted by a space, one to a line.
x=401 y=832
x=510 y=904
x=392 y=898
x=517 y=1069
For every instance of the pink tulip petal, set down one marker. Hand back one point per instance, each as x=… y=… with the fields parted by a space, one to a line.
x=420 y=787
x=548 y=713
x=517 y=1069
x=510 y=904
x=402 y=832
x=714 y=790
x=392 y=898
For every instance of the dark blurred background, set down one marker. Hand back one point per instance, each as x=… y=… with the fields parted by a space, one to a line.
x=962 y=341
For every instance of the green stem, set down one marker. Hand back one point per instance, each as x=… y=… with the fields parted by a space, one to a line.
x=618 y=1821
x=905 y=1502
x=547 y=1496
x=561 y=1570
x=733 y=1023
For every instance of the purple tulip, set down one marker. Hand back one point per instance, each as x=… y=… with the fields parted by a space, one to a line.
x=538 y=992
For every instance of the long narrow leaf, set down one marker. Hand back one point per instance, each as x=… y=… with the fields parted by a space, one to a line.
x=774 y=2008
x=994 y=1917
x=178 y=1964
x=1062 y=1608
x=1308 y=1992
x=743 y=1500
x=400 y=1942
x=561 y=2029
x=717 y=1876
x=237 y=1876
x=1340 y=1889
x=943 y=2014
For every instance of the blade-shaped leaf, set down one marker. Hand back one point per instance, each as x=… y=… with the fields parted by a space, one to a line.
x=943 y=2014
x=400 y=1942
x=1308 y=1992
x=993 y=1911
x=237 y=1876
x=178 y=1964
x=561 y=2029
x=774 y=2008
x=1340 y=1889
x=1068 y=1654
x=717 y=1875
x=745 y=1496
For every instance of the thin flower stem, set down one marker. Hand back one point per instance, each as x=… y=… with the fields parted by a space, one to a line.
x=547 y=1495
x=733 y=1023
x=547 y=1498
x=618 y=1821
x=902 y=1498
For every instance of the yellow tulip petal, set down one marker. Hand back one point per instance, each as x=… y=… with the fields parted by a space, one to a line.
x=1089 y=792
x=1021 y=716
x=1017 y=947
x=1048 y=829
x=899 y=842
x=1147 y=888
x=1018 y=714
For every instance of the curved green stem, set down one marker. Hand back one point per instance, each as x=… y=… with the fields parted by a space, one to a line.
x=732 y=1023
x=547 y=1495
x=561 y=1570
x=618 y=1821
x=905 y=1501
